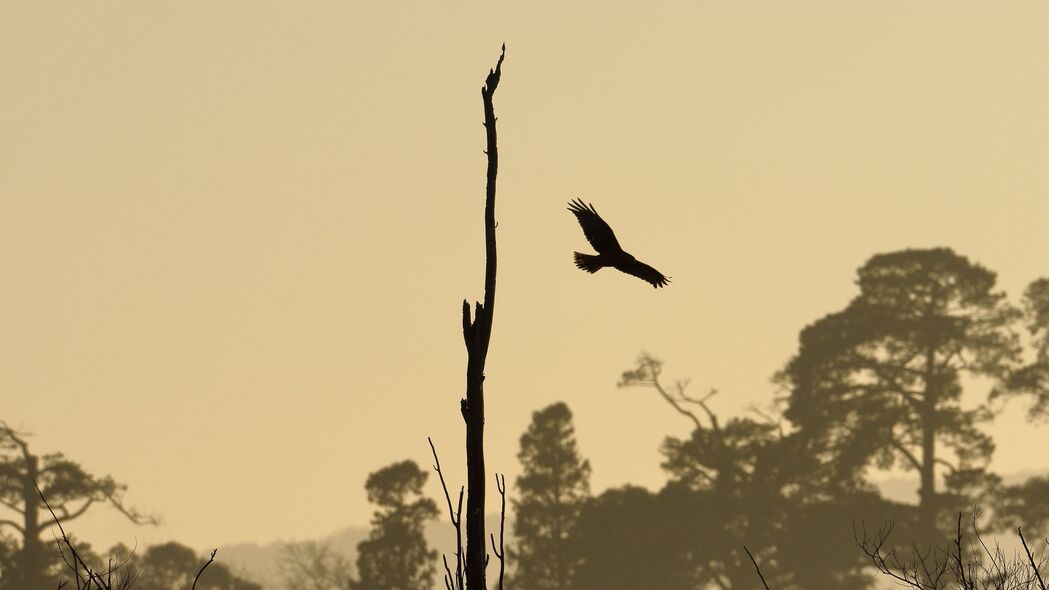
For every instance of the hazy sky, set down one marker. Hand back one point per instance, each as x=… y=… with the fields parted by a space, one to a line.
x=235 y=236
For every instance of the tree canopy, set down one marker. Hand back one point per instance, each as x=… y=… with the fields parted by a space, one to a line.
x=71 y=492
x=882 y=380
x=553 y=486
x=395 y=556
x=750 y=480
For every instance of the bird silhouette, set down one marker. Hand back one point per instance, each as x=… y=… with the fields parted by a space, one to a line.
x=609 y=252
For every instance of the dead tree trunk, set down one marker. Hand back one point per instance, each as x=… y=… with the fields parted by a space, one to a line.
x=477 y=333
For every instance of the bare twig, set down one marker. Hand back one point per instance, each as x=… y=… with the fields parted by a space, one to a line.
x=204 y=567
x=964 y=571
x=100 y=580
x=754 y=561
x=455 y=515
x=77 y=563
x=448 y=579
x=922 y=572
x=500 y=551
x=1034 y=566
x=996 y=557
x=930 y=569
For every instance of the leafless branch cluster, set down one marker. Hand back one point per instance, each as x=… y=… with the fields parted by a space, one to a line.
x=922 y=569
x=454 y=580
x=966 y=565
x=451 y=582
x=115 y=576
x=647 y=374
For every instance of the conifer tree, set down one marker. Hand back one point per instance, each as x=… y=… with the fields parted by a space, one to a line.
x=554 y=486
x=395 y=556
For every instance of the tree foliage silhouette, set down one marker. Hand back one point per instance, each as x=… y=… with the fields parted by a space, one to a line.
x=395 y=556
x=881 y=380
x=174 y=566
x=68 y=487
x=168 y=566
x=628 y=538
x=1032 y=379
x=553 y=486
x=8 y=547
x=746 y=481
x=1023 y=504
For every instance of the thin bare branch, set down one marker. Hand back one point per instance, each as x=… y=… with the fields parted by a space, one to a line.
x=67 y=516
x=444 y=486
x=12 y=524
x=500 y=551
x=447 y=574
x=913 y=460
x=455 y=515
x=1030 y=558
x=754 y=561
x=131 y=514
x=204 y=567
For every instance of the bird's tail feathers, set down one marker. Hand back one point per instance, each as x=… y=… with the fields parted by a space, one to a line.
x=588 y=262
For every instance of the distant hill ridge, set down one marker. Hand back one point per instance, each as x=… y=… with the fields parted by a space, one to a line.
x=259 y=562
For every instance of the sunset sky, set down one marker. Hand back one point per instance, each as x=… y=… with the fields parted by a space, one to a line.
x=235 y=236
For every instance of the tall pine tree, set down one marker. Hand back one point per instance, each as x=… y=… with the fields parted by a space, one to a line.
x=550 y=493
x=883 y=378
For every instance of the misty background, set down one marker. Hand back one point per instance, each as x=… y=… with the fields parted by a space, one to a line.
x=243 y=232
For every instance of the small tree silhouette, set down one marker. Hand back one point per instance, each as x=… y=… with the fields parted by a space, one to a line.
x=70 y=490
x=395 y=556
x=313 y=565
x=554 y=486
x=174 y=566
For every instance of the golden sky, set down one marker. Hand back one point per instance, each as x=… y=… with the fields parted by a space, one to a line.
x=235 y=236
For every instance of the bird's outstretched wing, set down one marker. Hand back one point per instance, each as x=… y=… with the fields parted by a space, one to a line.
x=597 y=232
x=646 y=273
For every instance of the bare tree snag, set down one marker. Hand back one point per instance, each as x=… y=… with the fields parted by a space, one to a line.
x=477 y=334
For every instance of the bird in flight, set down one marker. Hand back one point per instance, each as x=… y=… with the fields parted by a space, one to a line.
x=609 y=252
